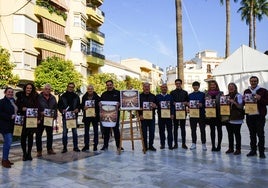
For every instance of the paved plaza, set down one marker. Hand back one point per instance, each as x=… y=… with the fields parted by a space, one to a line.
x=163 y=168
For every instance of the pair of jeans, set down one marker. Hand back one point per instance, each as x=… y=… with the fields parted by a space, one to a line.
x=27 y=139
x=65 y=133
x=94 y=122
x=145 y=124
x=234 y=130
x=39 y=133
x=7 y=144
x=256 y=125
x=165 y=123
x=180 y=123
x=202 y=127
x=213 y=123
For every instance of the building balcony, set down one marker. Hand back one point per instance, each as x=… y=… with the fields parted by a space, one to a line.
x=43 y=12
x=95 y=35
x=94 y=59
x=95 y=16
x=97 y=2
x=50 y=43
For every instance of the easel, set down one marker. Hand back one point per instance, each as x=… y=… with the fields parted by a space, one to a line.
x=131 y=138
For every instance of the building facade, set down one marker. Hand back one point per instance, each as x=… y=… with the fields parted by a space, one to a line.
x=198 y=69
x=149 y=72
x=33 y=30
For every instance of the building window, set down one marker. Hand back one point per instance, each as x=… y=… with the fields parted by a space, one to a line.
x=208 y=68
x=77 y=21
x=83 y=48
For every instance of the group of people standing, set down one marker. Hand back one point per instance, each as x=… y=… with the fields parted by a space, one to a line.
x=236 y=103
x=69 y=101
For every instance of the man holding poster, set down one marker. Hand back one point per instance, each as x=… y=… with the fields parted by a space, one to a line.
x=165 y=115
x=69 y=102
x=111 y=94
x=48 y=112
x=256 y=121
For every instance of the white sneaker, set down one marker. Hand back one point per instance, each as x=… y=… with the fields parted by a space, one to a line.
x=204 y=147
x=193 y=147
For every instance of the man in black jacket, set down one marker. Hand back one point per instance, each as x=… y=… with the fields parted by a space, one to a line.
x=69 y=101
x=111 y=95
x=147 y=97
x=179 y=95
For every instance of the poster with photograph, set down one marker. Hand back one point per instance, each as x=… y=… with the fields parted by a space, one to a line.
x=210 y=105
x=165 y=109
x=147 y=111
x=194 y=108
x=49 y=117
x=180 y=110
x=250 y=104
x=224 y=105
x=108 y=113
x=31 y=117
x=90 y=112
x=70 y=120
x=18 y=124
x=130 y=100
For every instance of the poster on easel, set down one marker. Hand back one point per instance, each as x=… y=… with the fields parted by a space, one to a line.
x=130 y=100
x=180 y=110
x=194 y=108
x=224 y=105
x=31 y=117
x=70 y=120
x=165 y=109
x=49 y=115
x=18 y=124
x=90 y=111
x=108 y=113
x=210 y=105
x=250 y=104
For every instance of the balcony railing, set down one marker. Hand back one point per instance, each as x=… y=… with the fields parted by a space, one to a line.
x=95 y=54
x=98 y=11
x=96 y=32
x=51 y=38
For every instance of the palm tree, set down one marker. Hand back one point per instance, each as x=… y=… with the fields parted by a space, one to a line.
x=251 y=10
x=180 y=66
x=227 y=26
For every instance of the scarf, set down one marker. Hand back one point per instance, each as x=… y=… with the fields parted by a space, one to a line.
x=254 y=91
x=213 y=93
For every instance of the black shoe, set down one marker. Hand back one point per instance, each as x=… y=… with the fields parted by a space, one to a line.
x=29 y=157
x=76 y=149
x=24 y=158
x=252 y=153
x=218 y=148
x=229 y=151
x=170 y=148
x=262 y=155
x=175 y=146
x=162 y=147
x=184 y=146
x=104 y=148
x=213 y=149
x=95 y=148
x=64 y=150
x=152 y=148
x=85 y=148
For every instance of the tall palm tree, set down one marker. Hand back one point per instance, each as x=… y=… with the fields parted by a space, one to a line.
x=252 y=10
x=180 y=66
x=227 y=26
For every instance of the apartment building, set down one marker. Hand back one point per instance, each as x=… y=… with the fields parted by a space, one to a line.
x=148 y=71
x=33 y=30
x=197 y=69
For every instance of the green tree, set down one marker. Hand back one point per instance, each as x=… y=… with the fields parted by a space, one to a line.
x=58 y=73
x=227 y=26
x=133 y=83
x=180 y=65
x=98 y=81
x=6 y=67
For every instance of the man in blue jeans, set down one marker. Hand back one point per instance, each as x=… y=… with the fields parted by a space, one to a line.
x=69 y=101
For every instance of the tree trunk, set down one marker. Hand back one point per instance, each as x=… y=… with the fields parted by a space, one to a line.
x=180 y=66
x=250 y=23
x=227 y=34
x=254 y=31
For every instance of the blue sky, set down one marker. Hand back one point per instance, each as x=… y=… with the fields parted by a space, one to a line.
x=146 y=29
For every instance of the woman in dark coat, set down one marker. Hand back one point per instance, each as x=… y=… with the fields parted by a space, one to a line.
x=8 y=111
x=27 y=99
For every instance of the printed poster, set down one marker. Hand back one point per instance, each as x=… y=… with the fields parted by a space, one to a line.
x=90 y=112
x=130 y=100
x=31 y=117
x=108 y=113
